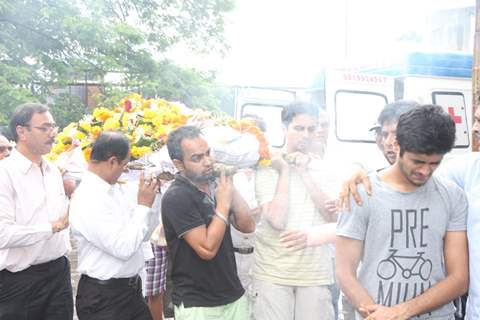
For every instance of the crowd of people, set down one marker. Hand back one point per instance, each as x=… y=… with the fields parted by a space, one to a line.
x=282 y=242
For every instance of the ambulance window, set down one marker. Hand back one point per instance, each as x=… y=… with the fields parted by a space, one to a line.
x=356 y=113
x=454 y=104
x=272 y=115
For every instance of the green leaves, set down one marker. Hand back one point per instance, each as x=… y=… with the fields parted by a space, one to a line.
x=49 y=44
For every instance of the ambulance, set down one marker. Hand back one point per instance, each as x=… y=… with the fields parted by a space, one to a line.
x=353 y=100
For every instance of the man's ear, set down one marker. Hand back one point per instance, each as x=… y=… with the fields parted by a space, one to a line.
x=178 y=164
x=20 y=132
x=396 y=147
x=112 y=160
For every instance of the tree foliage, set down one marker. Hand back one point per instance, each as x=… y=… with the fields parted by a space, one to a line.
x=46 y=44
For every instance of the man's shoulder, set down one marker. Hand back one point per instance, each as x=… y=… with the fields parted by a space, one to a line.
x=380 y=191
x=175 y=189
x=459 y=164
x=8 y=164
x=450 y=193
x=177 y=194
x=464 y=160
x=367 y=200
x=378 y=186
x=444 y=184
x=85 y=195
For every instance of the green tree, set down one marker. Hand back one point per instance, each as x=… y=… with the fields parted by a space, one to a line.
x=47 y=44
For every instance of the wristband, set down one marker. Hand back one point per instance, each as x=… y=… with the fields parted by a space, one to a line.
x=222 y=217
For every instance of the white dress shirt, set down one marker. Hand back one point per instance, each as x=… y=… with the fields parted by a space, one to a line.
x=109 y=229
x=30 y=198
x=465 y=172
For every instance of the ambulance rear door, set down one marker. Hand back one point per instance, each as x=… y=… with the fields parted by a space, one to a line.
x=354 y=101
x=454 y=95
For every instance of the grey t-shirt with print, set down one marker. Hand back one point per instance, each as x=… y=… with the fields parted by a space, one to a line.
x=403 y=239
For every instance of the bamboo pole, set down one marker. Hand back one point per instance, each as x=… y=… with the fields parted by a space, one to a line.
x=476 y=71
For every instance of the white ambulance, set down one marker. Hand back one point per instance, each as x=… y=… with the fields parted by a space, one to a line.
x=354 y=99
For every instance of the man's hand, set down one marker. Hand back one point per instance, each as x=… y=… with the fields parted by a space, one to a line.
x=278 y=162
x=224 y=193
x=147 y=190
x=69 y=186
x=331 y=206
x=61 y=223
x=294 y=239
x=300 y=161
x=379 y=312
x=349 y=187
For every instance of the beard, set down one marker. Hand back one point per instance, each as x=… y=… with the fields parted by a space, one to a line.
x=201 y=178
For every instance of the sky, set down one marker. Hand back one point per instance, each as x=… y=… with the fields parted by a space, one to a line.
x=288 y=42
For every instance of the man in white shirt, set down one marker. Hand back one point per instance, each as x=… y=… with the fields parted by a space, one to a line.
x=5 y=147
x=110 y=232
x=34 y=272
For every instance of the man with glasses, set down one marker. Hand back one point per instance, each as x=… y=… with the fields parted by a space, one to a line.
x=5 y=147
x=34 y=271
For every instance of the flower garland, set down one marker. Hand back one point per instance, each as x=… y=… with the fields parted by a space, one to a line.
x=248 y=125
x=146 y=123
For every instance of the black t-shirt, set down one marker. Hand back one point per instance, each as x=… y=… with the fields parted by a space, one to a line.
x=197 y=282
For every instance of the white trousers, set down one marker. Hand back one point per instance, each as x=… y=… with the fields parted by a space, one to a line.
x=278 y=302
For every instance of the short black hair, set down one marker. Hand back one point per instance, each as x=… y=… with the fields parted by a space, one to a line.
x=23 y=115
x=176 y=137
x=393 y=111
x=296 y=108
x=110 y=144
x=426 y=129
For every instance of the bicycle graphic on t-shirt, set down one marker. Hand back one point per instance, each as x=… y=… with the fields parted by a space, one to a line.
x=409 y=266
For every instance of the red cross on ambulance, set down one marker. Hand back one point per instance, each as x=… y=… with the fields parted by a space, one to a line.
x=457 y=119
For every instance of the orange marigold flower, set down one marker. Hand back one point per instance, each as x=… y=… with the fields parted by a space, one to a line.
x=87 y=152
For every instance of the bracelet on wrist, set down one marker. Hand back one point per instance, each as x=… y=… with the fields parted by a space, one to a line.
x=222 y=217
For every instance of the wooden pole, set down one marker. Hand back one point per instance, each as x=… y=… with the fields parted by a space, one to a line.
x=476 y=71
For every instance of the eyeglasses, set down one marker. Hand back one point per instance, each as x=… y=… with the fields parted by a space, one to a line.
x=46 y=128
x=5 y=148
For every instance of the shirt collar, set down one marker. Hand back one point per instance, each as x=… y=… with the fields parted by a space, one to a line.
x=25 y=164
x=98 y=182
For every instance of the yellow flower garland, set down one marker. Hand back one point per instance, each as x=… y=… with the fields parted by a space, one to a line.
x=146 y=122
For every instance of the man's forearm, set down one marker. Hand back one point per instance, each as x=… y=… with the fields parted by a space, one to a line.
x=13 y=235
x=317 y=195
x=276 y=210
x=215 y=233
x=321 y=235
x=242 y=218
x=207 y=240
x=354 y=291
x=438 y=295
